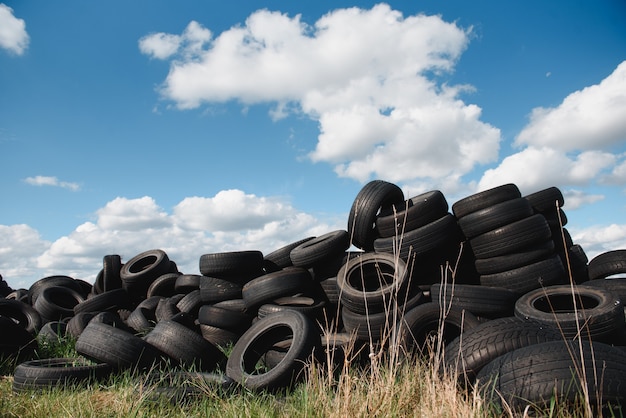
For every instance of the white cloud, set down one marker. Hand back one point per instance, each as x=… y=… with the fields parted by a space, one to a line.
x=229 y=221
x=600 y=238
x=535 y=168
x=159 y=45
x=592 y=118
x=13 y=35
x=577 y=198
x=369 y=77
x=51 y=181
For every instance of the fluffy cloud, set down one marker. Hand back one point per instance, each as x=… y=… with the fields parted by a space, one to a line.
x=577 y=198
x=369 y=77
x=229 y=221
x=599 y=239
x=51 y=181
x=13 y=35
x=592 y=118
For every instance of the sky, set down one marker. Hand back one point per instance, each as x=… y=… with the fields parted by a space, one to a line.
x=204 y=126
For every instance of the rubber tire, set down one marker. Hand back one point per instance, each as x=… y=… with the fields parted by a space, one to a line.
x=530 y=375
x=213 y=290
x=184 y=346
x=373 y=197
x=268 y=287
x=514 y=260
x=546 y=200
x=260 y=338
x=36 y=288
x=466 y=355
x=140 y=271
x=482 y=301
x=47 y=373
x=243 y=264
x=21 y=313
x=111 y=300
x=56 y=302
x=163 y=285
x=523 y=279
x=607 y=264
x=603 y=319
x=119 y=348
x=224 y=318
x=281 y=257
x=374 y=295
x=317 y=250
x=418 y=324
x=414 y=213
x=514 y=237
x=486 y=198
x=495 y=216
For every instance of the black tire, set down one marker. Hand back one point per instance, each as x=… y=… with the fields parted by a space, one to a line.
x=235 y=264
x=546 y=200
x=184 y=346
x=482 y=301
x=607 y=264
x=427 y=321
x=486 y=198
x=536 y=374
x=598 y=313
x=77 y=324
x=142 y=320
x=119 y=348
x=514 y=237
x=268 y=287
x=163 y=285
x=280 y=258
x=367 y=283
x=52 y=332
x=373 y=197
x=36 y=288
x=166 y=309
x=187 y=283
x=442 y=233
x=523 y=279
x=213 y=290
x=495 y=216
x=316 y=250
x=465 y=356
x=21 y=313
x=414 y=213
x=308 y=306
x=576 y=264
x=261 y=337
x=57 y=372
x=514 y=260
x=17 y=342
x=616 y=286
x=219 y=337
x=140 y=271
x=108 y=301
x=111 y=267
x=55 y=303
x=331 y=290
x=190 y=303
x=224 y=318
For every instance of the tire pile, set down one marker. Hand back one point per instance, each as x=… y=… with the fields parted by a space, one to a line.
x=517 y=304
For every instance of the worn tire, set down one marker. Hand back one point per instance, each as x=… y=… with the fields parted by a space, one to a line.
x=47 y=373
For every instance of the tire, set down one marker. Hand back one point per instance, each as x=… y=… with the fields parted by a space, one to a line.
x=514 y=260
x=482 y=301
x=600 y=314
x=224 y=318
x=219 y=337
x=414 y=213
x=514 y=237
x=21 y=313
x=306 y=305
x=317 y=250
x=111 y=267
x=467 y=355
x=538 y=373
x=17 y=342
x=523 y=279
x=52 y=332
x=184 y=346
x=495 y=216
x=57 y=372
x=241 y=265
x=616 y=286
x=114 y=346
x=140 y=271
x=163 y=285
x=546 y=200
x=367 y=283
x=187 y=283
x=268 y=287
x=576 y=264
x=261 y=337
x=55 y=303
x=486 y=198
x=36 y=288
x=281 y=258
x=77 y=324
x=111 y=300
x=607 y=264
x=420 y=241
x=190 y=303
x=425 y=321
x=373 y=197
x=213 y=290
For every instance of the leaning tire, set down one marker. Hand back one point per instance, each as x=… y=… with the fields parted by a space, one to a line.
x=260 y=338
x=57 y=372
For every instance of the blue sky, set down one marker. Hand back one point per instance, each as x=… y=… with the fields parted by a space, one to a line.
x=203 y=126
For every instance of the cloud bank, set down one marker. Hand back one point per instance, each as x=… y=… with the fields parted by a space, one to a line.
x=13 y=35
